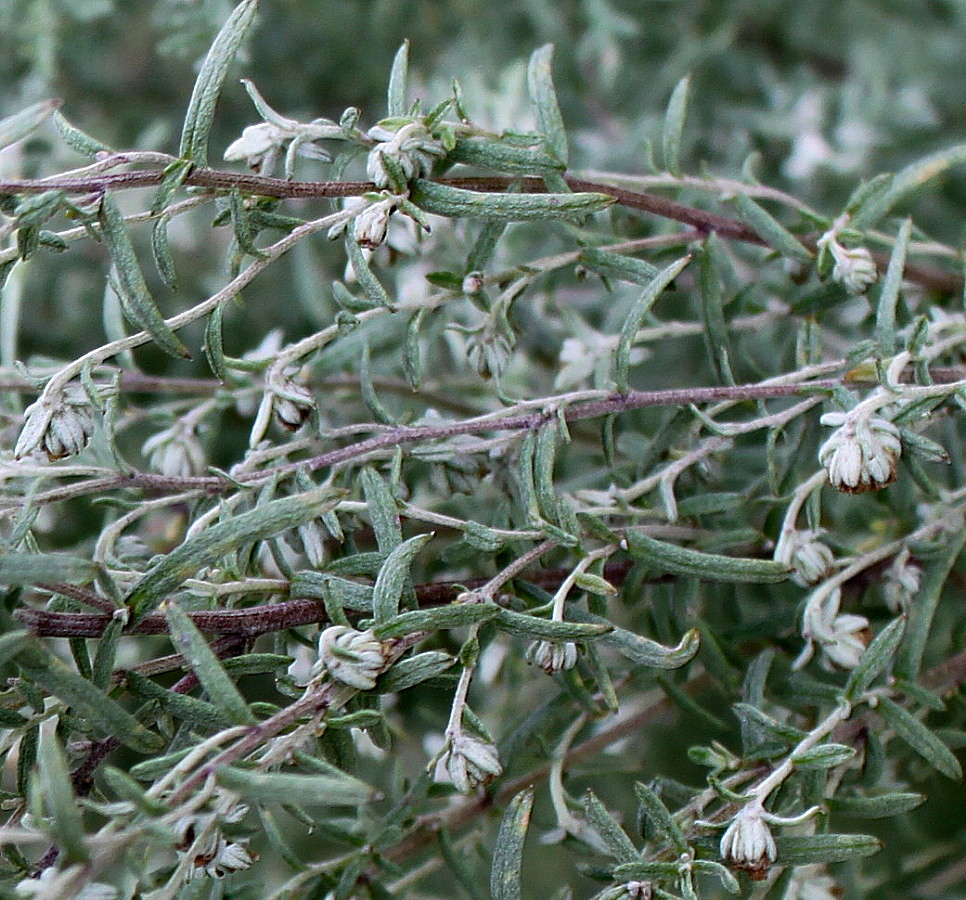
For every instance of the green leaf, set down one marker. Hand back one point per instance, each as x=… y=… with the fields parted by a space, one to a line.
x=508 y=851
x=59 y=799
x=136 y=301
x=769 y=229
x=20 y=124
x=717 y=339
x=502 y=156
x=885 y=314
x=414 y=670
x=191 y=643
x=913 y=177
x=874 y=660
x=19 y=569
x=863 y=206
x=445 y=200
x=456 y=615
x=13 y=642
x=214 y=347
x=618 y=844
x=544 y=455
x=106 y=652
x=77 y=140
x=824 y=756
x=632 y=324
x=547 y=630
x=382 y=510
x=677 y=110
x=317 y=789
x=198 y=713
x=884 y=806
x=641 y=650
x=161 y=248
x=543 y=96
x=392 y=578
x=609 y=264
x=660 y=818
x=55 y=676
x=368 y=391
x=264 y=521
x=780 y=731
x=708 y=566
x=800 y=850
x=398 y=78
x=371 y=286
x=211 y=78
x=920 y=738
x=126 y=788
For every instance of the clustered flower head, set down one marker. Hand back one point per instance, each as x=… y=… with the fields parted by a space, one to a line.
x=552 y=657
x=471 y=762
x=747 y=844
x=902 y=580
x=59 y=425
x=854 y=266
x=292 y=403
x=356 y=658
x=262 y=145
x=810 y=558
x=862 y=454
x=175 y=452
x=406 y=146
x=842 y=637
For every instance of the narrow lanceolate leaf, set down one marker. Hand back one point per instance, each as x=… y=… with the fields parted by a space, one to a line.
x=77 y=140
x=769 y=229
x=824 y=756
x=22 y=123
x=659 y=817
x=383 y=514
x=393 y=576
x=616 y=265
x=19 y=569
x=874 y=660
x=885 y=806
x=920 y=738
x=414 y=670
x=445 y=200
x=192 y=645
x=885 y=316
x=677 y=110
x=708 y=566
x=264 y=521
x=641 y=650
x=211 y=78
x=546 y=629
x=126 y=788
x=503 y=157
x=199 y=714
x=318 y=789
x=619 y=845
x=508 y=851
x=799 y=850
x=11 y=644
x=136 y=301
x=56 y=677
x=443 y=617
x=913 y=177
x=635 y=319
x=59 y=799
x=543 y=96
x=214 y=346
x=398 y=78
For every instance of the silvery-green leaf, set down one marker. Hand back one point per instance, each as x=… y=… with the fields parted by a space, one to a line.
x=800 y=850
x=610 y=832
x=198 y=713
x=60 y=801
x=769 y=229
x=677 y=110
x=20 y=124
x=192 y=645
x=920 y=738
x=501 y=156
x=264 y=521
x=208 y=84
x=875 y=659
x=317 y=789
x=722 y=873
x=214 y=347
x=666 y=557
x=543 y=96
x=547 y=630
x=824 y=756
x=885 y=314
x=632 y=324
x=609 y=264
x=367 y=280
x=659 y=817
x=884 y=806
x=456 y=615
x=864 y=206
x=393 y=576
x=508 y=850
x=453 y=202
x=77 y=140
x=127 y=788
x=18 y=568
x=780 y=731
x=398 y=77
x=382 y=510
x=414 y=670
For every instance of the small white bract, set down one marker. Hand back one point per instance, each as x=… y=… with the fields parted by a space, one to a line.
x=471 y=762
x=355 y=658
x=747 y=843
x=552 y=657
x=862 y=454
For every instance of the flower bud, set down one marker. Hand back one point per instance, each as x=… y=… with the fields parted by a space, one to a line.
x=60 y=425
x=175 y=452
x=369 y=227
x=552 y=657
x=748 y=844
x=355 y=658
x=411 y=147
x=810 y=558
x=292 y=404
x=862 y=454
x=471 y=762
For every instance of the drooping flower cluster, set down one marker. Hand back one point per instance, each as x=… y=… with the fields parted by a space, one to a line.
x=471 y=762
x=59 y=425
x=175 y=452
x=842 y=637
x=862 y=454
x=356 y=658
x=854 y=266
x=552 y=657
x=747 y=843
x=810 y=558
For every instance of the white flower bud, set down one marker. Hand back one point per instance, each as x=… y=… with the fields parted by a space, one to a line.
x=854 y=267
x=471 y=762
x=353 y=657
x=291 y=403
x=862 y=454
x=369 y=227
x=809 y=557
x=60 y=425
x=552 y=657
x=412 y=148
x=747 y=843
x=175 y=452
x=902 y=581
x=841 y=637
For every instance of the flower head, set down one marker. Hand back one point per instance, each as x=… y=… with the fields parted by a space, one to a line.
x=809 y=557
x=356 y=658
x=471 y=762
x=60 y=425
x=747 y=843
x=552 y=657
x=862 y=454
x=902 y=581
x=854 y=266
x=841 y=637
x=407 y=148
x=175 y=452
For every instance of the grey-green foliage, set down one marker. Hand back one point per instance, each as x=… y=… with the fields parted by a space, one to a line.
x=512 y=486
